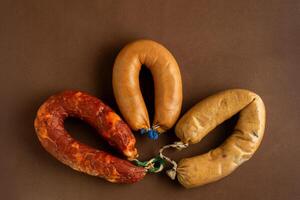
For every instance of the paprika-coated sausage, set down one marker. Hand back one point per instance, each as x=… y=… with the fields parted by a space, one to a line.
x=49 y=126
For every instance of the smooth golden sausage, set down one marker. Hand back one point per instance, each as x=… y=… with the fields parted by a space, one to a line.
x=167 y=85
x=237 y=149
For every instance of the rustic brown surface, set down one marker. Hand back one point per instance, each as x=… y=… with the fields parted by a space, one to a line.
x=50 y=46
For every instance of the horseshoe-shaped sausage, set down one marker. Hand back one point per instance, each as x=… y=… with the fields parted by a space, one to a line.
x=167 y=85
x=237 y=149
x=49 y=126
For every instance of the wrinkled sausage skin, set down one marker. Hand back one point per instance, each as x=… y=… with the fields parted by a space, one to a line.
x=239 y=147
x=49 y=126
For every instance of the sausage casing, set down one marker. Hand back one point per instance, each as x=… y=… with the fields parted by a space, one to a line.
x=237 y=149
x=49 y=126
x=167 y=85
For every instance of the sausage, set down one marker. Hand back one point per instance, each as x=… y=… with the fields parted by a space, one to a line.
x=167 y=85
x=237 y=149
x=49 y=126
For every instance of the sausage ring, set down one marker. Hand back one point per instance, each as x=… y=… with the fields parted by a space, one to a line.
x=237 y=149
x=167 y=85
x=49 y=126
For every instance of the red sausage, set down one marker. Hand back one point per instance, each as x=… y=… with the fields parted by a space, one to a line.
x=49 y=126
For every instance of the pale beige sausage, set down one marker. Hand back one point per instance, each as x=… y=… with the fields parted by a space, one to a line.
x=237 y=149
x=167 y=85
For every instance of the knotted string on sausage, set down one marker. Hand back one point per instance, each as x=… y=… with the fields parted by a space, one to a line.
x=238 y=148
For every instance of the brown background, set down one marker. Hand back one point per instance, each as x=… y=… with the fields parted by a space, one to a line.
x=50 y=46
